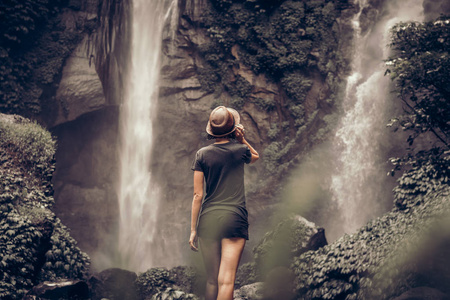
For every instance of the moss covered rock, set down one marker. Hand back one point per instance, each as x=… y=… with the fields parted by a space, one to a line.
x=290 y=238
x=160 y=283
x=34 y=245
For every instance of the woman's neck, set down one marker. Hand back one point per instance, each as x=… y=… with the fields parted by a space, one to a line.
x=222 y=140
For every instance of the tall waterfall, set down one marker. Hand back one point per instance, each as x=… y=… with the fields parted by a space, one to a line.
x=359 y=175
x=138 y=197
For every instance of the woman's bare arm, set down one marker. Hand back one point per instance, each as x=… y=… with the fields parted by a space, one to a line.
x=196 y=204
x=241 y=139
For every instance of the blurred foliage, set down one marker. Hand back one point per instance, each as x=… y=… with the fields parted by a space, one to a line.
x=34 y=44
x=34 y=245
x=160 y=283
x=373 y=263
x=296 y=86
x=289 y=238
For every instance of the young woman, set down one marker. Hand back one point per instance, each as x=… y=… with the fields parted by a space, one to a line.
x=222 y=227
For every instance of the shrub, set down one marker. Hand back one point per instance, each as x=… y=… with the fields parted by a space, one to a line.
x=430 y=171
x=34 y=245
x=30 y=148
x=297 y=86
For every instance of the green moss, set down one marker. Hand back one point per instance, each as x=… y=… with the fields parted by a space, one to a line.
x=266 y=104
x=273 y=132
x=297 y=86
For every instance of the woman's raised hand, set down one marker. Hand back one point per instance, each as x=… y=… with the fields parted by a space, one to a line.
x=240 y=133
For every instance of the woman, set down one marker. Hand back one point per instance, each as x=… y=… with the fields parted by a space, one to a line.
x=222 y=227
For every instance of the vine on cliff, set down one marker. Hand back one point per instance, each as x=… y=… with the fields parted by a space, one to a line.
x=289 y=41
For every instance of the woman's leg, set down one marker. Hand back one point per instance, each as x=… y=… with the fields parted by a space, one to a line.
x=211 y=252
x=231 y=255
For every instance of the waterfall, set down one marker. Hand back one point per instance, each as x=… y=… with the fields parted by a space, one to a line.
x=358 y=176
x=138 y=196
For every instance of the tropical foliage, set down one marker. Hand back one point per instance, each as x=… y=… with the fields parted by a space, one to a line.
x=34 y=245
x=33 y=47
x=291 y=42
x=420 y=68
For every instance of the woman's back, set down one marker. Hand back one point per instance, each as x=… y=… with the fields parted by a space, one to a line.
x=223 y=168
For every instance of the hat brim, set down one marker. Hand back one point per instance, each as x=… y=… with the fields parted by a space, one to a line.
x=237 y=120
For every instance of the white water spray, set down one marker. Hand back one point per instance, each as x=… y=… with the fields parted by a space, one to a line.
x=359 y=175
x=138 y=197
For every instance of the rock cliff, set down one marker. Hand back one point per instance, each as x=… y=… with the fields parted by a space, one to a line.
x=282 y=131
x=84 y=118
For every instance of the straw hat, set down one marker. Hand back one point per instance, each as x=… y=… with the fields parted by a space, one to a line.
x=222 y=121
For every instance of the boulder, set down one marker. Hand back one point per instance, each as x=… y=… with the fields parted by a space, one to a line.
x=173 y=294
x=114 y=284
x=290 y=238
x=245 y=275
x=80 y=90
x=68 y=289
x=252 y=291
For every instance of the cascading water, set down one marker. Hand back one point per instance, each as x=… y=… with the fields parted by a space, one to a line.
x=359 y=175
x=138 y=197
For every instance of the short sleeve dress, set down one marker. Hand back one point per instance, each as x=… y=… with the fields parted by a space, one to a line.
x=223 y=212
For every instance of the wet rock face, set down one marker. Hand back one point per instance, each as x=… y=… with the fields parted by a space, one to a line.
x=85 y=120
x=93 y=76
x=80 y=90
x=84 y=181
x=114 y=284
x=182 y=113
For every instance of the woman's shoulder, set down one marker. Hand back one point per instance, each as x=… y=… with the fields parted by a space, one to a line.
x=205 y=149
